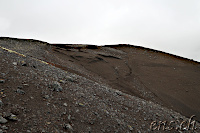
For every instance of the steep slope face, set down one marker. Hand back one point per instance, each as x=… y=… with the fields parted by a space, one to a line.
x=175 y=81
x=54 y=89
x=164 y=79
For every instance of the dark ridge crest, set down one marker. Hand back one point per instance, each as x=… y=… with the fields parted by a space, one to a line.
x=90 y=46
x=22 y=39
x=152 y=50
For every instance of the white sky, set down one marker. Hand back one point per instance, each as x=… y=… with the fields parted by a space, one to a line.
x=169 y=25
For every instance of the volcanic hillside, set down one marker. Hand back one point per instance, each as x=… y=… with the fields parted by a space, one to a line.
x=87 y=88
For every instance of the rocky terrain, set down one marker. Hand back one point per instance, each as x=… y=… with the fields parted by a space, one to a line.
x=56 y=88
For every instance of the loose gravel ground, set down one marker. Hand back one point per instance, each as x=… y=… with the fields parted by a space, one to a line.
x=39 y=97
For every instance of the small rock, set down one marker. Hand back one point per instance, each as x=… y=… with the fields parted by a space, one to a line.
x=1 y=103
x=64 y=113
x=130 y=128
x=15 y=63
x=56 y=86
x=2 y=81
x=13 y=117
x=23 y=63
x=20 y=91
x=65 y=104
x=48 y=123
x=103 y=130
x=91 y=122
x=89 y=129
x=125 y=108
x=25 y=84
x=106 y=112
x=61 y=81
x=3 y=120
x=81 y=104
x=68 y=127
x=118 y=93
x=68 y=78
x=96 y=113
x=46 y=96
x=4 y=127
x=69 y=117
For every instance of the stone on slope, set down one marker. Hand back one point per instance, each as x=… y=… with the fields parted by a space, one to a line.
x=3 y=120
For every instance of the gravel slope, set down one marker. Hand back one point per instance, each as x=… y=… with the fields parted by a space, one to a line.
x=37 y=96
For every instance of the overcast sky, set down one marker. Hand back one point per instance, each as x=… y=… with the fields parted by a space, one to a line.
x=169 y=25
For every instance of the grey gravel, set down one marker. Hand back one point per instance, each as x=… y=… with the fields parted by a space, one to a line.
x=19 y=91
x=1 y=103
x=68 y=78
x=4 y=127
x=68 y=127
x=3 y=120
x=13 y=117
x=15 y=63
x=65 y=104
x=56 y=86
